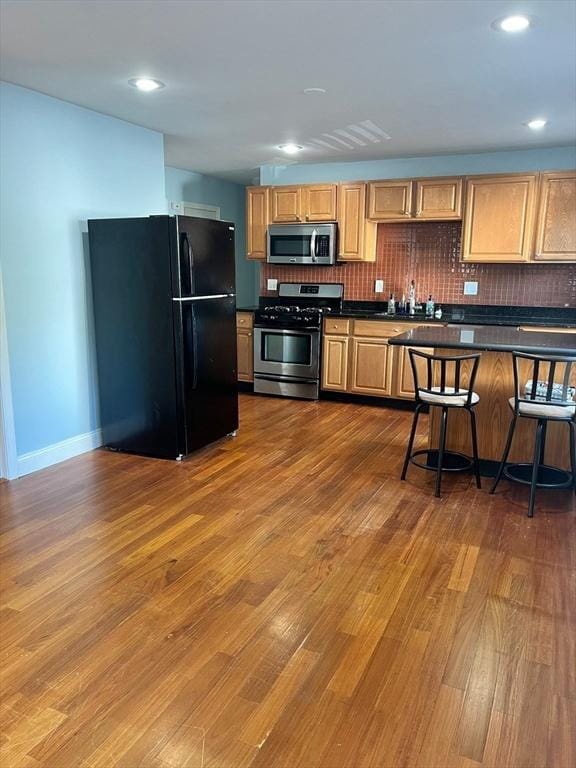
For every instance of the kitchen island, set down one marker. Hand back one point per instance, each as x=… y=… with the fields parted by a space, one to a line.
x=495 y=386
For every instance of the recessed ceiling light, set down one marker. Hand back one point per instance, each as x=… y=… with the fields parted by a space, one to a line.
x=290 y=148
x=314 y=91
x=512 y=23
x=146 y=83
x=537 y=123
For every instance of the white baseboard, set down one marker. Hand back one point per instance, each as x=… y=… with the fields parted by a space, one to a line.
x=53 y=454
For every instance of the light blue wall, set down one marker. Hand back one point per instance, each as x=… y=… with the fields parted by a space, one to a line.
x=61 y=165
x=193 y=187
x=555 y=158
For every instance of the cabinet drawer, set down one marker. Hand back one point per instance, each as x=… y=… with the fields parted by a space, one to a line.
x=339 y=326
x=244 y=319
x=383 y=329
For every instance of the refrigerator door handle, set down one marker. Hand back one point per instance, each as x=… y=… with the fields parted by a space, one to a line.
x=203 y=298
x=186 y=265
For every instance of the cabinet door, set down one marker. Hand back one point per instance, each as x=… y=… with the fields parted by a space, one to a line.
x=320 y=202
x=438 y=199
x=371 y=367
x=404 y=385
x=499 y=218
x=286 y=204
x=556 y=233
x=256 y=222
x=335 y=363
x=390 y=200
x=245 y=345
x=356 y=237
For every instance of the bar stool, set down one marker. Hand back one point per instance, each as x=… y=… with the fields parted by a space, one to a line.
x=544 y=400
x=445 y=396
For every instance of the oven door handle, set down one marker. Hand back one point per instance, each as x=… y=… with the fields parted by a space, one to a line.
x=289 y=379
x=291 y=331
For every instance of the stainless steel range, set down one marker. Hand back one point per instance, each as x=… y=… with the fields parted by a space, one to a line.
x=287 y=339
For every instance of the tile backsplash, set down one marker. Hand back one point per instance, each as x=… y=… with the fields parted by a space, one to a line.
x=429 y=253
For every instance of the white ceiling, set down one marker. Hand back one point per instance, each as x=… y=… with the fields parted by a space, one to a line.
x=431 y=73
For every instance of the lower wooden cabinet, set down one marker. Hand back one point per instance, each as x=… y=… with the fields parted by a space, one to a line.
x=357 y=358
x=371 y=367
x=335 y=363
x=245 y=346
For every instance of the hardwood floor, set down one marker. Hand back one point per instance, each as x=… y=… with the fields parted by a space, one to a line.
x=282 y=600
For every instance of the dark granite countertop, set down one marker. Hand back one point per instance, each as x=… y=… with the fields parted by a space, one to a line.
x=557 y=317
x=488 y=338
x=475 y=314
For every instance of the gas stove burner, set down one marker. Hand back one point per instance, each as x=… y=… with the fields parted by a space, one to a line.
x=297 y=310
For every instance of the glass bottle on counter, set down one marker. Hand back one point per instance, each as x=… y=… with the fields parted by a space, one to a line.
x=391 y=305
x=430 y=307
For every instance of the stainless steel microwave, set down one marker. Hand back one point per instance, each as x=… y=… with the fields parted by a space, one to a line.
x=302 y=244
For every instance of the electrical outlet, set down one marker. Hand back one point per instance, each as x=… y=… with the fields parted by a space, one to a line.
x=471 y=288
x=379 y=286
x=271 y=284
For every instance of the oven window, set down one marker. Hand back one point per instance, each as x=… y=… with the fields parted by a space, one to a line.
x=290 y=245
x=281 y=348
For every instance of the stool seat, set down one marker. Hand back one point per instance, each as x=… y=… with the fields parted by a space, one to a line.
x=544 y=410
x=449 y=396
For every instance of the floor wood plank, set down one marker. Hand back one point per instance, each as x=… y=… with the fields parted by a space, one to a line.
x=282 y=600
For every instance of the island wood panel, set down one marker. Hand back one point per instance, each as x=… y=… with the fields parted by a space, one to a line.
x=495 y=386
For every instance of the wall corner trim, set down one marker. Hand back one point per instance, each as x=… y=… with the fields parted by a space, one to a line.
x=57 y=452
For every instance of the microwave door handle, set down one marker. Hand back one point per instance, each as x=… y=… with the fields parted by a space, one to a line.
x=313 y=244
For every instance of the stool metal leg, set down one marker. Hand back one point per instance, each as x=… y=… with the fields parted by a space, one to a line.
x=572 y=426
x=543 y=444
x=410 y=442
x=536 y=465
x=505 y=454
x=475 y=448
x=441 y=448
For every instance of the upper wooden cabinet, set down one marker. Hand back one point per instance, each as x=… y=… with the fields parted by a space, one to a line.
x=499 y=218
x=319 y=202
x=438 y=199
x=256 y=222
x=285 y=204
x=556 y=231
x=425 y=199
x=389 y=200
x=356 y=236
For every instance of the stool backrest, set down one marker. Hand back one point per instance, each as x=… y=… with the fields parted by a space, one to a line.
x=444 y=374
x=546 y=380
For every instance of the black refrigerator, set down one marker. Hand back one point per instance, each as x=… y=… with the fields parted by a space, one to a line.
x=165 y=329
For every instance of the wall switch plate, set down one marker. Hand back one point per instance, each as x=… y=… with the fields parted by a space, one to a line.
x=271 y=284
x=379 y=286
x=471 y=288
